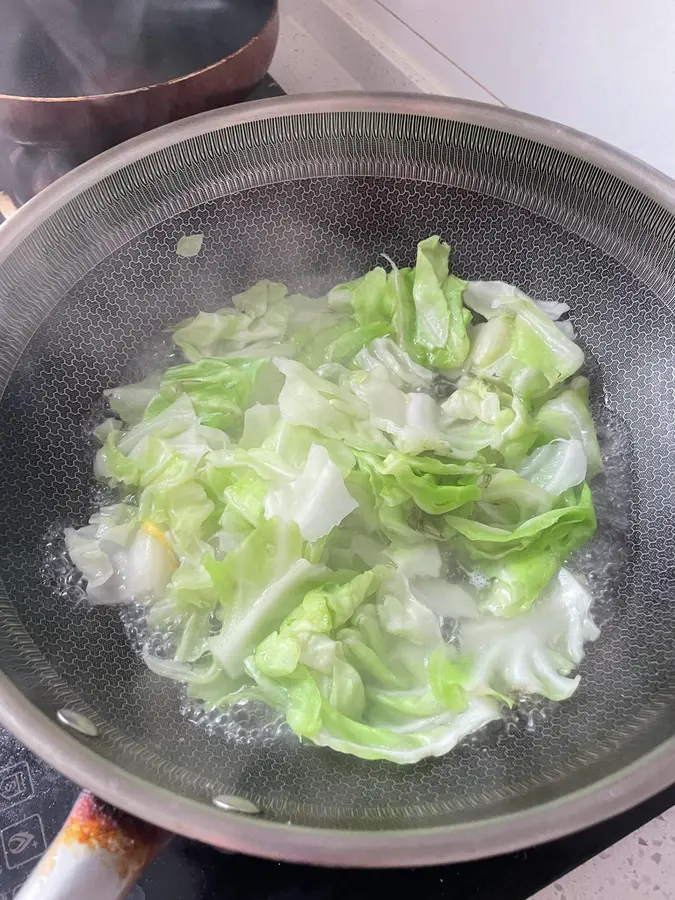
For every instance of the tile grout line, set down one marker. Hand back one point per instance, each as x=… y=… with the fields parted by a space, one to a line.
x=439 y=52
x=377 y=40
x=361 y=21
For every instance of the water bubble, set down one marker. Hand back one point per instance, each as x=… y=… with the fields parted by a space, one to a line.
x=252 y=723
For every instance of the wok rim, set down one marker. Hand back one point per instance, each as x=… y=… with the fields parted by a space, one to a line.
x=404 y=847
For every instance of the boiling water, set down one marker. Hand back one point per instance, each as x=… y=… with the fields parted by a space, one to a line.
x=600 y=563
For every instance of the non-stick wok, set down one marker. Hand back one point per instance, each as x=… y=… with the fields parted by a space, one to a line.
x=310 y=191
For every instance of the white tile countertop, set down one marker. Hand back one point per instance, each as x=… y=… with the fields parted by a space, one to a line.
x=640 y=866
x=605 y=67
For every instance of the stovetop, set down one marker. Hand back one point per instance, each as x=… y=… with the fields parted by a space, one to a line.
x=34 y=800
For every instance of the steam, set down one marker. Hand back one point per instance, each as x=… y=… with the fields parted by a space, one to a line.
x=90 y=35
x=68 y=47
x=61 y=48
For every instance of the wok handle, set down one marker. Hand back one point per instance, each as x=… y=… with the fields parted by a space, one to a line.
x=98 y=854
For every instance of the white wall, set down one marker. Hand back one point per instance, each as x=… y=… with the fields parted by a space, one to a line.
x=606 y=67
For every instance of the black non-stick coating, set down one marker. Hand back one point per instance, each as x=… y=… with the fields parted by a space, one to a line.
x=311 y=200
x=71 y=48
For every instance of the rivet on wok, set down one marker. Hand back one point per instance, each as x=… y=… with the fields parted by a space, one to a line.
x=77 y=722
x=236 y=804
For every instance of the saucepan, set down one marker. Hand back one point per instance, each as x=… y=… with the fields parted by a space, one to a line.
x=310 y=190
x=77 y=76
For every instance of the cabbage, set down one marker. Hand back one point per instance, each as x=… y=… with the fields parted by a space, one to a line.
x=518 y=579
x=336 y=412
x=474 y=399
x=321 y=612
x=400 y=289
x=259 y=316
x=294 y=442
x=414 y=421
x=123 y=559
x=357 y=509
x=447 y=600
x=364 y=689
x=519 y=346
x=337 y=342
x=131 y=400
x=440 y=315
x=256 y=586
x=534 y=653
x=568 y=416
x=435 y=737
x=368 y=297
x=386 y=360
x=219 y=389
x=564 y=528
x=259 y=422
x=489 y=298
x=433 y=486
x=556 y=467
x=317 y=500
x=189 y=245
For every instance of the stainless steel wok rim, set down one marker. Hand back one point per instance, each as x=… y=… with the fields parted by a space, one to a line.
x=327 y=846
x=405 y=847
x=640 y=175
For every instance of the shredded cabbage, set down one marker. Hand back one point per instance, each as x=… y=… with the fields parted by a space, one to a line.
x=324 y=484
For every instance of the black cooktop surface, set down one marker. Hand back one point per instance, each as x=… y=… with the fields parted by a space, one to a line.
x=34 y=801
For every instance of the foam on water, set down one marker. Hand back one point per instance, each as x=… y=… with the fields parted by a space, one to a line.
x=599 y=563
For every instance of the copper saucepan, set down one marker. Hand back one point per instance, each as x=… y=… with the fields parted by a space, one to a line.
x=80 y=76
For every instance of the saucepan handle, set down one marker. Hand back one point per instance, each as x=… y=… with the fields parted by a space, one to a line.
x=98 y=854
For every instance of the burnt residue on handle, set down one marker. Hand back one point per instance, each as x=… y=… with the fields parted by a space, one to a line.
x=99 y=850
x=95 y=824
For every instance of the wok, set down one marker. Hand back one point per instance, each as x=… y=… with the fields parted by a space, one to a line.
x=310 y=190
